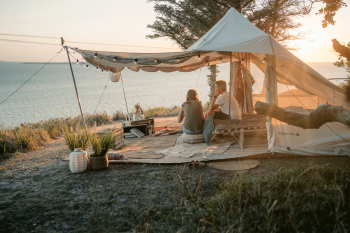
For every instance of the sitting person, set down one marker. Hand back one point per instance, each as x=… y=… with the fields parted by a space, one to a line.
x=220 y=106
x=192 y=111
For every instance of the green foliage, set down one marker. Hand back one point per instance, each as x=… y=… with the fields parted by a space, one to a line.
x=161 y=111
x=118 y=115
x=100 y=145
x=332 y=6
x=99 y=118
x=8 y=142
x=343 y=85
x=344 y=63
x=77 y=138
x=293 y=200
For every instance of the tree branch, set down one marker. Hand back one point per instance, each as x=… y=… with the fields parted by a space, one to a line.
x=341 y=49
x=321 y=115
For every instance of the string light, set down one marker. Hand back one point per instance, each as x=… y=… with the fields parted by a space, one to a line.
x=220 y=60
x=156 y=60
x=199 y=57
x=113 y=59
x=135 y=61
x=96 y=68
x=77 y=61
x=95 y=55
x=102 y=71
x=177 y=59
x=86 y=66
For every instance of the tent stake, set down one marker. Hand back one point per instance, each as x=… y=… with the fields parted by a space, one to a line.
x=126 y=103
x=76 y=89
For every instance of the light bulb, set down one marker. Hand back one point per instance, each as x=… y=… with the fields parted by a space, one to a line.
x=156 y=60
x=102 y=71
x=135 y=61
x=77 y=61
x=113 y=59
x=199 y=57
x=96 y=68
x=177 y=59
x=86 y=66
x=220 y=60
x=95 y=55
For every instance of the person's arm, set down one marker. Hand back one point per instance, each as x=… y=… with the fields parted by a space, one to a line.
x=213 y=105
x=202 y=115
x=180 y=116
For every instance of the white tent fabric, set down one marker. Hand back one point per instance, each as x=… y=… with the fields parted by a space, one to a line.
x=235 y=33
x=234 y=36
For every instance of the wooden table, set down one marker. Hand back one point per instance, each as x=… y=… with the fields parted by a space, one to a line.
x=149 y=122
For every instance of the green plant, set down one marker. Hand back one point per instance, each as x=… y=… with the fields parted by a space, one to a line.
x=293 y=200
x=161 y=111
x=101 y=145
x=99 y=118
x=118 y=116
x=8 y=142
x=76 y=140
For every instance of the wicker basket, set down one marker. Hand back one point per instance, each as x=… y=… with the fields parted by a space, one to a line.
x=192 y=138
x=99 y=163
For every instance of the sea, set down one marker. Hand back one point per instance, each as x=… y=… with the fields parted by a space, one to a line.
x=50 y=93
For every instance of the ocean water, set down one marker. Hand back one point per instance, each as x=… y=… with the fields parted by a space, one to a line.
x=51 y=93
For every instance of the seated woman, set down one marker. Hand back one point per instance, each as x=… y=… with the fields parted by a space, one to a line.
x=192 y=111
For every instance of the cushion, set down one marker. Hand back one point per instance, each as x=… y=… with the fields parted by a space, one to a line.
x=192 y=138
x=208 y=129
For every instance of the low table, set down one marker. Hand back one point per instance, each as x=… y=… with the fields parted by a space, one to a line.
x=149 y=122
x=143 y=128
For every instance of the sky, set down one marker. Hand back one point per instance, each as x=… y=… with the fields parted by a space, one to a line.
x=124 y=23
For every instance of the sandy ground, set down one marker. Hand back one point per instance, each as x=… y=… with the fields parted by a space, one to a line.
x=38 y=192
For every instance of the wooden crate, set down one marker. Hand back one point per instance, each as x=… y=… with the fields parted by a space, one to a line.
x=118 y=134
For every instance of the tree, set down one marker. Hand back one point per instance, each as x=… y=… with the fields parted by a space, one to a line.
x=343 y=61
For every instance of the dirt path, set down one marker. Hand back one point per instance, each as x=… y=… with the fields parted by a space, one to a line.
x=38 y=192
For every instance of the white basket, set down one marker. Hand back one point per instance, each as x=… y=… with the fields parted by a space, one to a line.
x=78 y=161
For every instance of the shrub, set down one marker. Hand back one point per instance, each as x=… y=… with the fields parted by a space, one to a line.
x=8 y=142
x=99 y=118
x=293 y=200
x=76 y=140
x=161 y=111
x=100 y=146
x=117 y=116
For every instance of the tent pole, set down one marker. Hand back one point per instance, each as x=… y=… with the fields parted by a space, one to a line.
x=126 y=103
x=76 y=89
x=270 y=80
x=231 y=78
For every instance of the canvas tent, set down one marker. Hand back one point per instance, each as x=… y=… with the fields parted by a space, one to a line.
x=236 y=40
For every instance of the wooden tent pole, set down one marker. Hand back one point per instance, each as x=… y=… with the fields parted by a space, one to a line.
x=231 y=84
x=76 y=89
x=270 y=80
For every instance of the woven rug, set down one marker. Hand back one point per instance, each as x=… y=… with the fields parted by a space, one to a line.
x=235 y=165
x=185 y=150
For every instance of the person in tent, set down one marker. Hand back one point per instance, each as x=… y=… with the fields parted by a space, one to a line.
x=220 y=106
x=192 y=111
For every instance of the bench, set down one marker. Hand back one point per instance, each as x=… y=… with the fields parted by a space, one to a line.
x=251 y=123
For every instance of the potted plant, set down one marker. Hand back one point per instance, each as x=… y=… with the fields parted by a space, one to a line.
x=100 y=147
x=77 y=142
